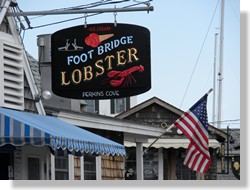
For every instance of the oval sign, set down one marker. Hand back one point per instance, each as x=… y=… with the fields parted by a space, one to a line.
x=101 y=61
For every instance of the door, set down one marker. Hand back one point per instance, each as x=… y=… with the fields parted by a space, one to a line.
x=4 y=166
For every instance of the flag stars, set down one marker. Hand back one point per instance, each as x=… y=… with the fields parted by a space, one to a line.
x=201 y=112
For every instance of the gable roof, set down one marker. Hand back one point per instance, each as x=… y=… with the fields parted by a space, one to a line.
x=155 y=100
x=34 y=67
x=147 y=103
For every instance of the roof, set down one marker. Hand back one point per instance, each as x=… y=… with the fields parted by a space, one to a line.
x=155 y=100
x=34 y=66
x=19 y=128
x=148 y=103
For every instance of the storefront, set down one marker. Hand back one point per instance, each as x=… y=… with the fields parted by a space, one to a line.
x=163 y=161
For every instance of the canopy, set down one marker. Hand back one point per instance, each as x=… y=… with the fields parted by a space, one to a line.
x=171 y=143
x=20 y=128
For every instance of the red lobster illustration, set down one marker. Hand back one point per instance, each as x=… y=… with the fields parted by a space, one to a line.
x=118 y=77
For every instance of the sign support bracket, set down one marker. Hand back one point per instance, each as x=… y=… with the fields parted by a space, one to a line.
x=81 y=11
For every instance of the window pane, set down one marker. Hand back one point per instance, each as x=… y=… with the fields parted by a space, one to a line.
x=89 y=167
x=182 y=171
x=120 y=105
x=130 y=164
x=61 y=175
x=61 y=167
x=150 y=163
x=90 y=106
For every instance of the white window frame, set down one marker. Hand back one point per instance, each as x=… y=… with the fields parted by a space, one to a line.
x=71 y=167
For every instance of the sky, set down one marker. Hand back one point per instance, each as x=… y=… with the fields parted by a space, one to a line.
x=182 y=47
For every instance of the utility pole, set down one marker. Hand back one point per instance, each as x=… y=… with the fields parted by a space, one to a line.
x=220 y=74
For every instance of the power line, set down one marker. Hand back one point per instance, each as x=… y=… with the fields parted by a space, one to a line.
x=197 y=60
x=91 y=5
x=235 y=14
x=81 y=11
x=226 y=121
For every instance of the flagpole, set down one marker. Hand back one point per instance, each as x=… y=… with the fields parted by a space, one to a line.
x=168 y=129
x=210 y=90
x=220 y=74
x=214 y=82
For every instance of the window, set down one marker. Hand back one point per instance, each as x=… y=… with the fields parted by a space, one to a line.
x=130 y=163
x=89 y=167
x=92 y=106
x=61 y=167
x=150 y=164
x=182 y=171
x=120 y=105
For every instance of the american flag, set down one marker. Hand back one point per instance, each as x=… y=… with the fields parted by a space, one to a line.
x=194 y=125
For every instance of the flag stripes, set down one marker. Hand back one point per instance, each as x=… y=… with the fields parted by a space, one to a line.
x=194 y=125
x=195 y=160
x=192 y=131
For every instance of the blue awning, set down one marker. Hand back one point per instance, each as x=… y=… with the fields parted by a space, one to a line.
x=20 y=128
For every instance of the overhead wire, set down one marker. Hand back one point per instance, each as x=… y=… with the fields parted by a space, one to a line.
x=79 y=7
x=235 y=14
x=197 y=60
x=230 y=120
x=234 y=70
x=226 y=122
x=91 y=5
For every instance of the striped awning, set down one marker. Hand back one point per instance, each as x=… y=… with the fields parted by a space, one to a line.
x=171 y=143
x=20 y=128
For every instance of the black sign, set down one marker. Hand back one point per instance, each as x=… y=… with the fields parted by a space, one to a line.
x=101 y=61
x=235 y=165
x=223 y=158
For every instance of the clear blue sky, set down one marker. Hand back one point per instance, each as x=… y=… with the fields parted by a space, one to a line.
x=178 y=30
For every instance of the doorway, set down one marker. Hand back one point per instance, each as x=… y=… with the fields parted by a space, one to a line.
x=4 y=166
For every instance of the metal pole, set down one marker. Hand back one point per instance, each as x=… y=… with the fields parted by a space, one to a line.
x=214 y=85
x=4 y=10
x=80 y=11
x=220 y=74
x=168 y=129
